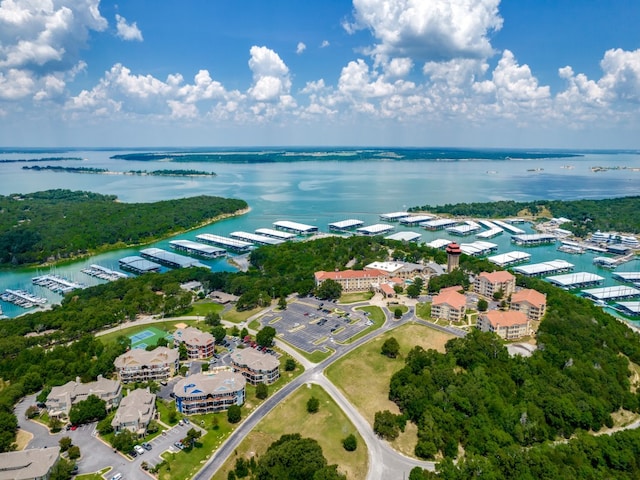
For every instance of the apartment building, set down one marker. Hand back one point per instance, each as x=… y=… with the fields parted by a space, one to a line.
x=135 y=412
x=139 y=365
x=486 y=284
x=530 y=302
x=199 y=344
x=509 y=325
x=202 y=393
x=255 y=366
x=62 y=398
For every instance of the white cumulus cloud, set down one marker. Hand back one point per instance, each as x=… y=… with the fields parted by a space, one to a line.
x=300 y=48
x=270 y=75
x=324 y=44
x=127 y=31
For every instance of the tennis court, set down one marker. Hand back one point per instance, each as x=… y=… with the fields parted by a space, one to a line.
x=148 y=336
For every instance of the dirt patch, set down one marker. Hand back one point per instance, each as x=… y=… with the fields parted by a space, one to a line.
x=22 y=439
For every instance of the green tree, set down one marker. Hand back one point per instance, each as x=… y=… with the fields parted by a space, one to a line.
x=313 y=405
x=89 y=410
x=329 y=290
x=65 y=443
x=61 y=470
x=483 y=305
x=55 y=424
x=244 y=333
x=262 y=391
x=192 y=436
x=124 y=441
x=397 y=313
x=390 y=347
x=265 y=336
x=385 y=425
x=182 y=352
x=291 y=457
x=219 y=333
x=74 y=452
x=241 y=468
x=289 y=365
x=213 y=319
x=162 y=342
x=282 y=303
x=350 y=442
x=413 y=290
x=32 y=411
x=234 y=414
x=498 y=295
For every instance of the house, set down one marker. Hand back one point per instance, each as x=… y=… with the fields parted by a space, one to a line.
x=62 y=398
x=531 y=302
x=255 y=366
x=201 y=393
x=509 y=325
x=30 y=464
x=486 y=284
x=449 y=304
x=139 y=365
x=135 y=412
x=199 y=344
x=353 y=280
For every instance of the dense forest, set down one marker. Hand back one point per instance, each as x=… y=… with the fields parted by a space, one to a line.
x=104 y=171
x=57 y=224
x=614 y=214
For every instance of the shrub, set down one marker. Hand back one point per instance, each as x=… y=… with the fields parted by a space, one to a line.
x=313 y=405
x=350 y=443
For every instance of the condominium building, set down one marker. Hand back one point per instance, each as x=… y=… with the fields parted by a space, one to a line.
x=353 y=280
x=530 y=302
x=509 y=325
x=139 y=365
x=201 y=393
x=29 y=464
x=487 y=284
x=449 y=305
x=199 y=344
x=255 y=366
x=135 y=412
x=62 y=398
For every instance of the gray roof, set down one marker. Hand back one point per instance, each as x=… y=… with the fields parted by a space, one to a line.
x=28 y=464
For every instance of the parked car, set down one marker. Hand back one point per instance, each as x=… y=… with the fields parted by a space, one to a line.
x=146 y=446
x=179 y=445
x=133 y=453
x=186 y=421
x=139 y=450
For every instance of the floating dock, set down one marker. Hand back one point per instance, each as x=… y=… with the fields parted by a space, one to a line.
x=56 y=284
x=295 y=227
x=270 y=232
x=509 y=228
x=345 y=225
x=463 y=230
x=22 y=298
x=197 y=249
x=413 y=220
x=544 y=268
x=627 y=276
x=439 y=224
x=237 y=246
x=510 y=258
x=533 y=239
x=255 y=238
x=487 y=224
x=478 y=248
x=404 y=236
x=103 y=273
x=169 y=259
x=617 y=292
x=584 y=245
x=393 y=217
x=138 y=265
x=377 y=229
x=573 y=249
x=630 y=308
x=493 y=232
x=576 y=280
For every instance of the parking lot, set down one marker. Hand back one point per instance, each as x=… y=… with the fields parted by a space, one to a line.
x=311 y=324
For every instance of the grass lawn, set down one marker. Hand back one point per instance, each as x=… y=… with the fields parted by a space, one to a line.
x=328 y=426
x=204 y=307
x=369 y=390
x=94 y=476
x=255 y=325
x=423 y=311
x=356 y=297
x=238 y=317
x=376 y=315
x=168 y=325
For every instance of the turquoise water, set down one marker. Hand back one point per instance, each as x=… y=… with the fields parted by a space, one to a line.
x=299 y=188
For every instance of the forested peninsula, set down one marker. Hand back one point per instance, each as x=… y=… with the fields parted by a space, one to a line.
x=611 y=214
x=53 y=225
x=104 y=171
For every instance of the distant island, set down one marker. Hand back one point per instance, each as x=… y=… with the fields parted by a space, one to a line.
x=54 y=225
x=45 y=159
x=104 y=171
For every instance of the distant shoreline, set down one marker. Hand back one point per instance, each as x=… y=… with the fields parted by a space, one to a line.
x=104 y=171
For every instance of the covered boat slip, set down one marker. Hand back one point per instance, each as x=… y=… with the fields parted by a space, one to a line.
x=232 y=244
x=533 y=239
x=632 y=277
x=377 y=229
x=544 y=268
x=611 y=293
x=255 y=238
x=404 y=236
x=510 y=258
x=345 y=225
x=576 y=280
x=270 y=232
x=139 y=265
x=295 y=227
x=197 y=249
x=170 y=259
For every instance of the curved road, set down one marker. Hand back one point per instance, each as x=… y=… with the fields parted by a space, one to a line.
x=384 y=462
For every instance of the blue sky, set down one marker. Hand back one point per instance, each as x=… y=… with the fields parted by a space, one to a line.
x=516 y=73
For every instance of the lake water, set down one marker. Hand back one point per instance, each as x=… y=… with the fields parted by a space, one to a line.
x=319 y=192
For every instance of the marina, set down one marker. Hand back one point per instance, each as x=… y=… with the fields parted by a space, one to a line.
x=270 y=232
x=169 y=259
x=463 y=230
x=617 y=292
x=103 y=273
x=393 y=217
x=414 y=220
x=544 y=268
x=56 y=283
x=576 y=250
x=510 y=258
x=404 y=236
x=345 y=225
x=533 y=239
x=576 y=280
x=255 y=238
x=198 y=249
x=493 y=232
x=377 y=229
x=22 y=298
x=138 y=265
x=509 y=228
x=295 y=227
x=632 y=277
x=478 y=248
x=238 y=246
x=439 y=224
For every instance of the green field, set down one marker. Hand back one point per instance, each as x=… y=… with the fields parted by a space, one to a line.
x=328 y=426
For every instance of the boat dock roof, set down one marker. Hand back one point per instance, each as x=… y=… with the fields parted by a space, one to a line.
x=438 y=243
x=492 y=232
x=170 y=259
x=196 y=248
x=627 y=276
x=533 y=239
x=544 y=268
x=462 y=230
x=508 y=227
x=612 y=293
x=487 y=223
x=630 y=308
x=576 y=280
x=299 y=228
x=255 y=238
x=510 y=258
x=415 y=219
x=439 y=223
x=478 y=248
x=377 y=229
x=346 y=224
x=103 y=273
x=404 y=236
x=137 y=264
x=224 y=242
x=56 y=283
x=270 y=232
x=394 y=216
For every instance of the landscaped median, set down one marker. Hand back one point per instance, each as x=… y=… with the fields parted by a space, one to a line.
x=364 y=374
x=329 y=426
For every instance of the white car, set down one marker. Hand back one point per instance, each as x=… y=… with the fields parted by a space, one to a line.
x=139 y=450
